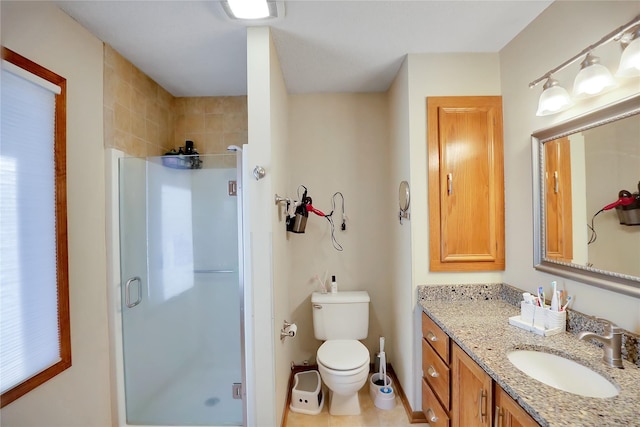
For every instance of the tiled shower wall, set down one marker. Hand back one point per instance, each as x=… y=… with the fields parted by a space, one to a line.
x=143 y=119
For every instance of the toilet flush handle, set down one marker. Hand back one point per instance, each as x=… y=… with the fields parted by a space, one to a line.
x=318 y=306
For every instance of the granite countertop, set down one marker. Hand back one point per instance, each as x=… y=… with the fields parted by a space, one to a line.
x=481 y=328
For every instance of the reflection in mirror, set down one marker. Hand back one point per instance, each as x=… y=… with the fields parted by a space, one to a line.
x=587 y=198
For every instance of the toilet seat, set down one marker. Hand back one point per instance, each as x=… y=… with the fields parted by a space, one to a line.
x=343 y=355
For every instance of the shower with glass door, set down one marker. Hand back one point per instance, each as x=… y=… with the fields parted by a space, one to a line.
x=181 y=290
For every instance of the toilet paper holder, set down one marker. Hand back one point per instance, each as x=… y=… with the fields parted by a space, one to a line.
x=288 y=330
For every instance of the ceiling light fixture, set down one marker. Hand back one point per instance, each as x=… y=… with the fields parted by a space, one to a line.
x=253 y=9
x=593 y=77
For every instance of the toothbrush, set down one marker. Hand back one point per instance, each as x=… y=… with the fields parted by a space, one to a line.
x=555 y=302
x=564 y=307
x=541 y=296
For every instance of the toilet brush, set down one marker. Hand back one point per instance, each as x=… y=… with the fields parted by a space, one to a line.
x=381 y=381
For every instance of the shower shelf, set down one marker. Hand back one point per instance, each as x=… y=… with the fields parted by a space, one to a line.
x=182 y=162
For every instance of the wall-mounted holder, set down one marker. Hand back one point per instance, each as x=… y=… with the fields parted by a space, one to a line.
x=404 y=199
x=288 y=330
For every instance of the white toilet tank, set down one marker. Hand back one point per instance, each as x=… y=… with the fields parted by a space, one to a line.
x=343 y=315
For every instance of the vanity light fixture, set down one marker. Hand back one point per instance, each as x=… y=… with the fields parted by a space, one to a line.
x=248 y=10
x=593 y=78
x=630 y=60
x=554 y=98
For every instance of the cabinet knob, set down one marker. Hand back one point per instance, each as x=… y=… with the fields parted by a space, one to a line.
x=432 y=372
x=431 y=416
x=431 y=337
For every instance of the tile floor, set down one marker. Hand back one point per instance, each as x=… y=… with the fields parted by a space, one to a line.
x=371 y=416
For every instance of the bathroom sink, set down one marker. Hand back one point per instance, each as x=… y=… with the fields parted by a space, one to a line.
x=562 y=374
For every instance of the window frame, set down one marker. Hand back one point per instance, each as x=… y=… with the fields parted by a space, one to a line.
x=62 y=270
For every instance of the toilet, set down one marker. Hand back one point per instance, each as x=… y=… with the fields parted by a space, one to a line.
x=340 y=320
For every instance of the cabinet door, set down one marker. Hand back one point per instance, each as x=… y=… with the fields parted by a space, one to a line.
x=508 y=413
x=471 y=392
x=558 y=200
x=466 y=183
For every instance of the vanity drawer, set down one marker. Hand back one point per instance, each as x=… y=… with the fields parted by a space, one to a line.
x=436 y=337
x=436 y=415
x=436 y=372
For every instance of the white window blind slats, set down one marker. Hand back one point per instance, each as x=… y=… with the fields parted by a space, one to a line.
x=29 y=336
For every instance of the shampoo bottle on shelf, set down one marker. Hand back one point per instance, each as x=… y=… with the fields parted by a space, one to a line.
x=334 y=285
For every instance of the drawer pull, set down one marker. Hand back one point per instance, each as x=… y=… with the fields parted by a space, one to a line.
x=432 y=372
x=497 y=417
x=481 y=406
x=431 y=416
x=431 y=337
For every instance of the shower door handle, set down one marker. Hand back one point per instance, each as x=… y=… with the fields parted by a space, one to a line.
x=127 y=292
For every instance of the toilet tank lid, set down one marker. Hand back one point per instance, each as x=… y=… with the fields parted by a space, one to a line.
x=340 y=297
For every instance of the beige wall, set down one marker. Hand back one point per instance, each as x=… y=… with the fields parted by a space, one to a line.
x=548 y=41
x=421 y=76
x=339 y=142
x=265 y=256
x=80 y=395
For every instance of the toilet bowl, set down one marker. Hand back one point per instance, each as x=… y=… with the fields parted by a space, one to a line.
x=344 y=369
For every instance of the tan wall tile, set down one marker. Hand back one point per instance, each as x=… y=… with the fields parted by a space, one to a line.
x=214 y=105
x=110 y=80
x=235 y=104
x=214 y=122
x=139 y=103
x=142 y=119
x=122 y=118
x=235 y=138
x=123 y=92
x=235 y=122
x=194 y=123
x=139 y=126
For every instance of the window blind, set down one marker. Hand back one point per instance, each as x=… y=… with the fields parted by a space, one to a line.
x=29 y=337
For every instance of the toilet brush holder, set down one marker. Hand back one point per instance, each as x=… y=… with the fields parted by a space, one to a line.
x=385 y=398
x=376 y=383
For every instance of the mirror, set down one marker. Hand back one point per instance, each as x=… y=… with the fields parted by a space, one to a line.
x=579 y=169
x=404 y=199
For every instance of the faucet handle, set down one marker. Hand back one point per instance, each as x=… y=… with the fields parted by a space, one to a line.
x=610 y=326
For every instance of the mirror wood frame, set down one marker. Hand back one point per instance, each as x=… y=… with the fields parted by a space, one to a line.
x=612 y=281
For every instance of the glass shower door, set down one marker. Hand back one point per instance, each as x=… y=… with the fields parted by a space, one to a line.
x=181 y=292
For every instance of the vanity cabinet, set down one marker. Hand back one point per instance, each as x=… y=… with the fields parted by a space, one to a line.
x=436 y=374
x=466 y=183
x=471 y=392
x=507 y=413
x=457 y=392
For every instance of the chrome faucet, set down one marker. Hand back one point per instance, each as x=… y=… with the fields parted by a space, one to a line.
x=611 y=341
